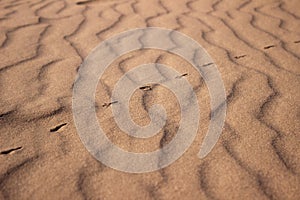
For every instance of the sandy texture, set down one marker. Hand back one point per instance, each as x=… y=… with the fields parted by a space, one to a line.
x=256 y=45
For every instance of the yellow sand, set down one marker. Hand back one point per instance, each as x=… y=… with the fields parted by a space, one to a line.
x=256 y=46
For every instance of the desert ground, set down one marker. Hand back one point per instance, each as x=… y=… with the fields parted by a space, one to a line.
x=256 y=47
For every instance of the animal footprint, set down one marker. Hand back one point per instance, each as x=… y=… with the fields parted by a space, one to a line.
x=57 y=127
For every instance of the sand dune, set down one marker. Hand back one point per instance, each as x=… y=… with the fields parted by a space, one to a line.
x=256 y=46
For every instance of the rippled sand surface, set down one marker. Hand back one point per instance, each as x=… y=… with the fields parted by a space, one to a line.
x=256 y=46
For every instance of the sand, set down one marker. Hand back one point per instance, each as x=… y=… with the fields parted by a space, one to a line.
x=256 y=46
